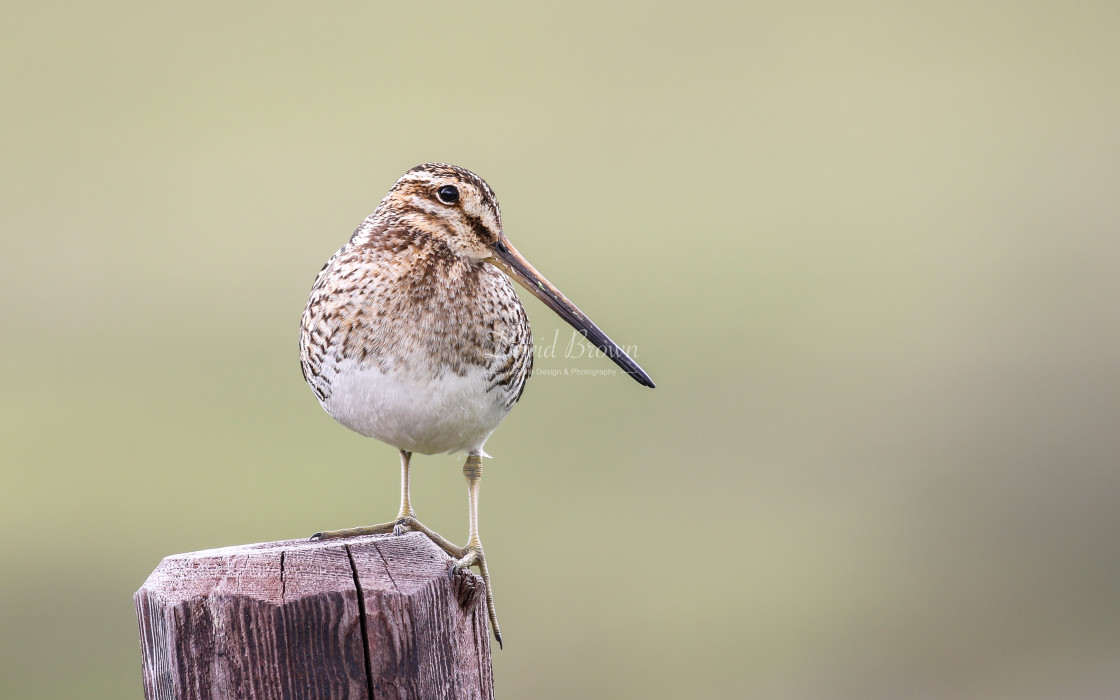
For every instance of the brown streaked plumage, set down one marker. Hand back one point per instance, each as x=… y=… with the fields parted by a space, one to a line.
x=415 y=336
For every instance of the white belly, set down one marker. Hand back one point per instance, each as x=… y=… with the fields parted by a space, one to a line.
x=447 y=414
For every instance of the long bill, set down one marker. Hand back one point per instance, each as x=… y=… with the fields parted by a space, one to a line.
x=507 y=259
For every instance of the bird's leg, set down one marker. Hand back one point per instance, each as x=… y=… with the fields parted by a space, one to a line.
x=406 y=512
x=406 y=519
x=472 y=554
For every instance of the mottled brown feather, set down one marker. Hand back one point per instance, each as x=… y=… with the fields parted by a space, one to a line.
x=400 y=297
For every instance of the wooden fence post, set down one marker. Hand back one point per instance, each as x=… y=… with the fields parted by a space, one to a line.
x=367 y=617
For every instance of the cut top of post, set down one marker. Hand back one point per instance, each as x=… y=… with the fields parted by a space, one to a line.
x=313 y=619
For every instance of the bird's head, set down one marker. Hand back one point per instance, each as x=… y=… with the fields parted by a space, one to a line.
x=450 y=204
x=456 y=208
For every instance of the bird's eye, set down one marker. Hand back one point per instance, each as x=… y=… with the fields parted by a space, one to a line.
x=448 y=194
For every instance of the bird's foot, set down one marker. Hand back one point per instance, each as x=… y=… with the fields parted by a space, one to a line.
x=403 y=524
x=382 y=529
x=472 y=555
x=465 y=557
x=410 y=523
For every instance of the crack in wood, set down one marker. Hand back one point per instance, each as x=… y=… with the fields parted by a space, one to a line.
x=388 y=570
x=362 y=621
x=283 y=581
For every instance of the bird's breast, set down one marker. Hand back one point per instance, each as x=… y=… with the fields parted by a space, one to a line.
x=423 y=354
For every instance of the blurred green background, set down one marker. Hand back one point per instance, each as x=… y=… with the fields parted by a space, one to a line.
x=868 y=251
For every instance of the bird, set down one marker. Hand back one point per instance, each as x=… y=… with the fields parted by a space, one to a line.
x=414 y=335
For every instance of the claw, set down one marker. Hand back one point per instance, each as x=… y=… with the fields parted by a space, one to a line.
x=473 y=555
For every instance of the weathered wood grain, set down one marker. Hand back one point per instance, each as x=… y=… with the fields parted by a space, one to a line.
x=369 y=617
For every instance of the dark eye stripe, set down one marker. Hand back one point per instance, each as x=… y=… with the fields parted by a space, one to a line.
x=479 y=228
